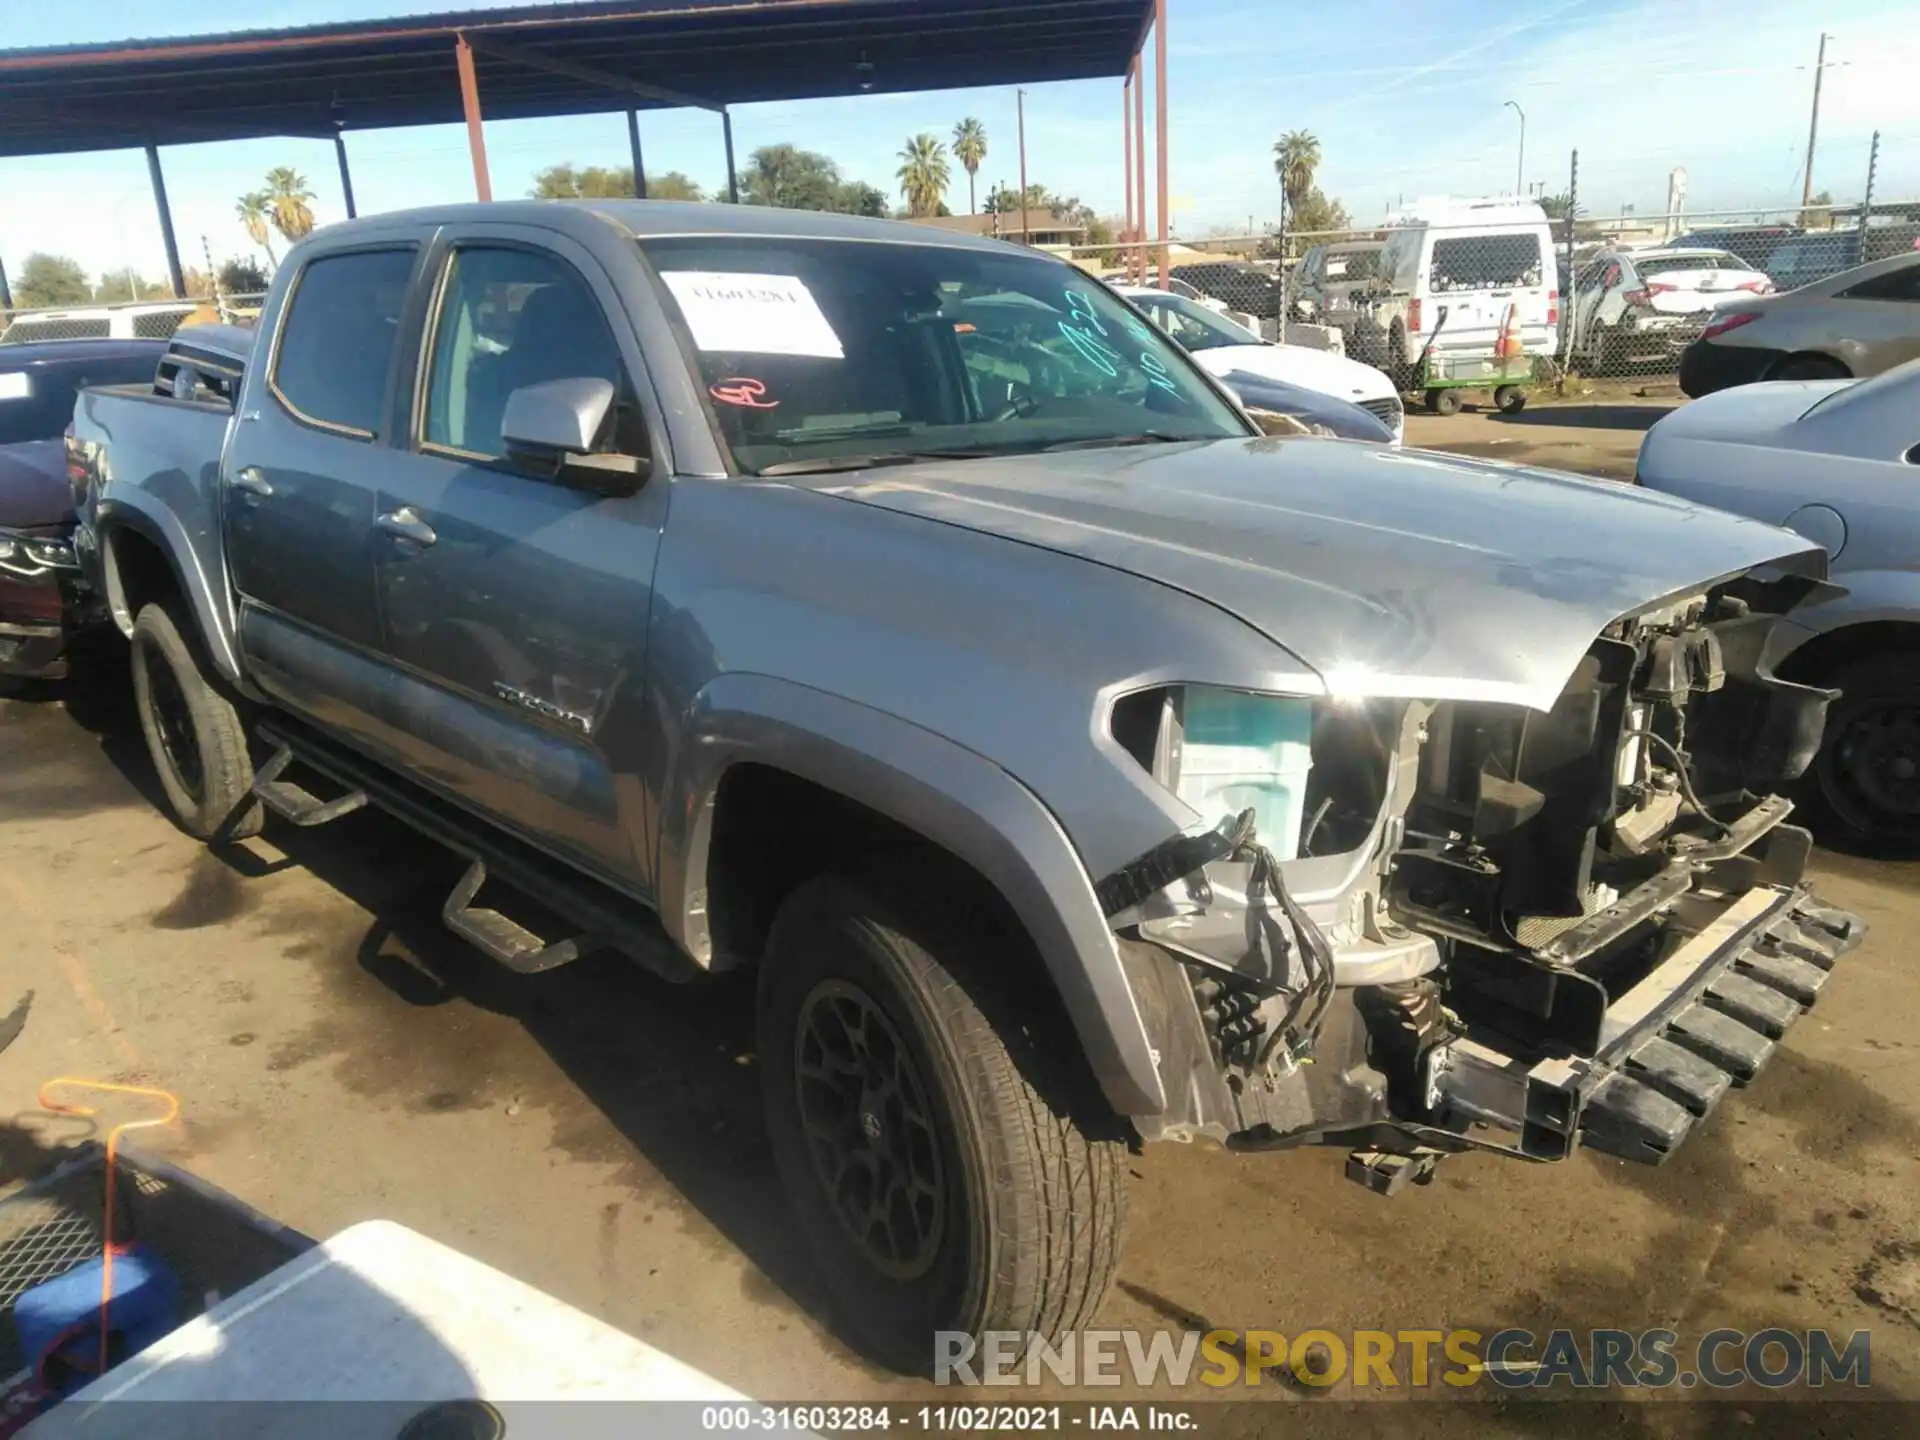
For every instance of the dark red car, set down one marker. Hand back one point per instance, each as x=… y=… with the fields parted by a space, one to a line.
x=43 y=600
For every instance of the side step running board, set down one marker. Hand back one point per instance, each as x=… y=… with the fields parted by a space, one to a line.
x=292 y=802
x=501 y=939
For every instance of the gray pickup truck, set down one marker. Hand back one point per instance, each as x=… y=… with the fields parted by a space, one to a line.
x=902 y=615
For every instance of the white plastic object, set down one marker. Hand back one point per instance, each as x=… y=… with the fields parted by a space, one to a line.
x=1240 y=751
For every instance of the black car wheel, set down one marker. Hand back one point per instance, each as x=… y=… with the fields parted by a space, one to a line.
x=1810 y=367
x=947 y=1170
x=1864 y=785
x=193 y=733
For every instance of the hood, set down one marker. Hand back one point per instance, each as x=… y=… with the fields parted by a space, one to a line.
x=1343 y=417
x=1320 y=370
x=1389 y=572
x=33 y=485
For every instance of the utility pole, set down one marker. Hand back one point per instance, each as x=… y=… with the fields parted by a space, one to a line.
x=1020 y=111
x=213 y=280
x=1866 y=202
x=1520 y=160
x=1813 y=125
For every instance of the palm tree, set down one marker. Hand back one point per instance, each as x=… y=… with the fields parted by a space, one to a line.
x=1296 y=155
x=970 y=148
x=287 y=196
x=254 y=211
x=923 y=174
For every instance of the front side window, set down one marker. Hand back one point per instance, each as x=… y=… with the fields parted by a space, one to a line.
x=829 y=350
x=509 y=318
x=336 y=341
x=1485 y=262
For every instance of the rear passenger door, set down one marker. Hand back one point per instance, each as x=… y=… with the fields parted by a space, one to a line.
x=298 y=479
x=515 y=604
x=1882 y=319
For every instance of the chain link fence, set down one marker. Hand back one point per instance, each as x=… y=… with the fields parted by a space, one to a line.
x=125 y=320
x=1451 y=296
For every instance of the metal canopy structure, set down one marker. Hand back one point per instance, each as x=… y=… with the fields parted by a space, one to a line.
x=321 y=81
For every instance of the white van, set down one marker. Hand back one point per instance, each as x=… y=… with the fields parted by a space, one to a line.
x=154 y=321
x=1478 y=260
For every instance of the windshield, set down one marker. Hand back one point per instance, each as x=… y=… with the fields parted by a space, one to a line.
x=1192 y=324
x=813 y=350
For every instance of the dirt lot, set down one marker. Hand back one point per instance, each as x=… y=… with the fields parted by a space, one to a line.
x=1596 y=432
x=339 y=1057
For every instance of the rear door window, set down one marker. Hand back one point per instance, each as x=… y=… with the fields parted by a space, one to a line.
x=1485 y=262
x=335 y=352
x=1894 y=285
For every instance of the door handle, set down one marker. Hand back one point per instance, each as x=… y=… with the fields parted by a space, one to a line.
x=404 y=524
x=250 y=479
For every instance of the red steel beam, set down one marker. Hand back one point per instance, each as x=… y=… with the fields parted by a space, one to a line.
x=1126 y=128
x=1160 y=124
x=1136 y=265
x=470 y=102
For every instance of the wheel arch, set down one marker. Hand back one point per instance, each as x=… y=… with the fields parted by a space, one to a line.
x=1826 y=654
x=751 y=736
x=1824 y=357
x=144 y=557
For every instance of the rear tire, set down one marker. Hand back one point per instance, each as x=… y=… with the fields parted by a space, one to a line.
x=1511 y=399
x=1811 y=367
x=1604 y=352
x=1863 y=787
x=1400 y=363
x=948 y=1168
x=194 y=734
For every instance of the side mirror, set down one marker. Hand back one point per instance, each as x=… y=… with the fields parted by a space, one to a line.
x=553 y=428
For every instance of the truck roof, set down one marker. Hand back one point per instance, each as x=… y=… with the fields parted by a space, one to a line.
x=643 y=218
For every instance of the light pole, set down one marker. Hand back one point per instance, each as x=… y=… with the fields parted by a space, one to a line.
x=1520 y=163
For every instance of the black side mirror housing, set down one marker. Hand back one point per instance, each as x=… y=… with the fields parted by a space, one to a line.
x=555 y=428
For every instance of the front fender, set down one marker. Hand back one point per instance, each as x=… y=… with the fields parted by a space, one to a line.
x=198 y=564
x=948 y=794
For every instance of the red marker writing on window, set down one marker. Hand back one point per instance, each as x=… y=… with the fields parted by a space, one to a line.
x=741 y=391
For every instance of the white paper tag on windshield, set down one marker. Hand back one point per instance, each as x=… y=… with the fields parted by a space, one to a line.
x=753 y=314
x=16 y=385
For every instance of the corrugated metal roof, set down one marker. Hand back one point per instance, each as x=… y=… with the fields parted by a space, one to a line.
x=315 y=79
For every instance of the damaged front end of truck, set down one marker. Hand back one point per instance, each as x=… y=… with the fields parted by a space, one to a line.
x=1469 y=924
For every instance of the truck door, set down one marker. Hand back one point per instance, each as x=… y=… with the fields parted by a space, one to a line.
x=516 y=605
x=298 y=493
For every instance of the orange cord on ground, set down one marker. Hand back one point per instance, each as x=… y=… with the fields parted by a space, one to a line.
x=105 y=1087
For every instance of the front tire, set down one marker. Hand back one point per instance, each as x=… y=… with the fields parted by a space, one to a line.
x=1863 y=787
x=947 y=1171
x=194 y=735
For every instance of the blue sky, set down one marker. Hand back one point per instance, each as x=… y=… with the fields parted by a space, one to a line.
x=1405 y=95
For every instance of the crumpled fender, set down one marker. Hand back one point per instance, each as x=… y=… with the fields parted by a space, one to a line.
x=948 y=794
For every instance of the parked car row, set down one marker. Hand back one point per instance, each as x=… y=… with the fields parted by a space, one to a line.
x=1837 y=461
x=44 y=603
x=912 y=619
x=1857 y=323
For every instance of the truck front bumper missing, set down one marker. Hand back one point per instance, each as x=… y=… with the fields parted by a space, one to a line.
x=1706 y=1019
